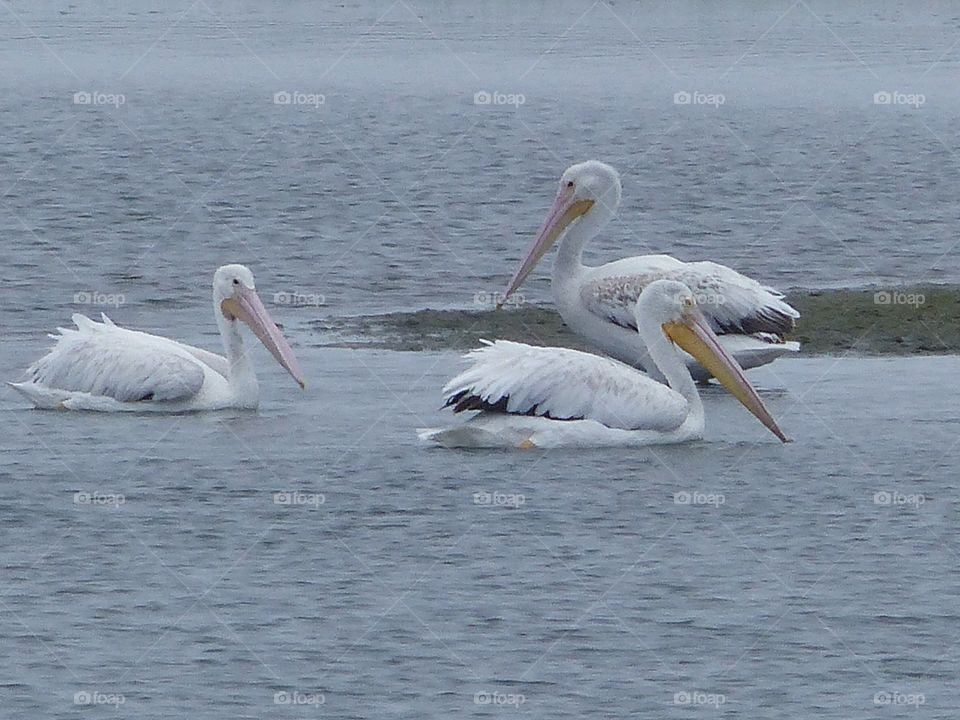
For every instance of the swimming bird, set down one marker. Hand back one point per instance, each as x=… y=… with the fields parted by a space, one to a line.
x=596 y=302
x=544 y=397
x=100 y=366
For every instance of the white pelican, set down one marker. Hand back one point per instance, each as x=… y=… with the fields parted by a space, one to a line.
x=595 y=302
x=531 y=397
x=100 y=366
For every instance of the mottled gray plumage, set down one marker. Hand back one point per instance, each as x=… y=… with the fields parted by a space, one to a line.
x=733 y=303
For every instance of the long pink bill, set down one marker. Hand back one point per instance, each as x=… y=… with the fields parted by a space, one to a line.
x=248 y=307
x=563 y=212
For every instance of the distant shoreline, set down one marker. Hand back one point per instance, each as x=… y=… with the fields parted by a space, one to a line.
x=893 y=321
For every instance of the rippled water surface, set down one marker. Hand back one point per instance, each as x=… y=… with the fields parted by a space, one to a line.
x=798 y=581
x=808 y=580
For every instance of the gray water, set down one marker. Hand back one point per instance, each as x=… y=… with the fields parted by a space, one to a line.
x=147 y=559
x=790 y=588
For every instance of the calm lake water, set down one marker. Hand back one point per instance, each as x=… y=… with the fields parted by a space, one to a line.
x=148 y=560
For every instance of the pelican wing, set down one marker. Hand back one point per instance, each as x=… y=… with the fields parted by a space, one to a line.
x=217 y=363
x=733 y=303
x=108 y=361
x=562 y=384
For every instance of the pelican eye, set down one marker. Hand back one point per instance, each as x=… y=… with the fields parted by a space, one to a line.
x=236 y=282
x=569 y=183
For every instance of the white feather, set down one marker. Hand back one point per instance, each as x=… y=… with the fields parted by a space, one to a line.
x=103 y=360
x=568 y=384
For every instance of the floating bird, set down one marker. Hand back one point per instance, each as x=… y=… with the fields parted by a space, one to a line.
x=542 y=397
x=596 y=302
x=100 y=366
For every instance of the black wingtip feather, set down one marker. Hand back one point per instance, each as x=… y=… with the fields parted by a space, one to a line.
x=767 y=321
x=465 y=401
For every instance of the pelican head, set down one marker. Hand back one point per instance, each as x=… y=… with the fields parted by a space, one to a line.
x=235 y=297
x=589 y=192
x=672 y=306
